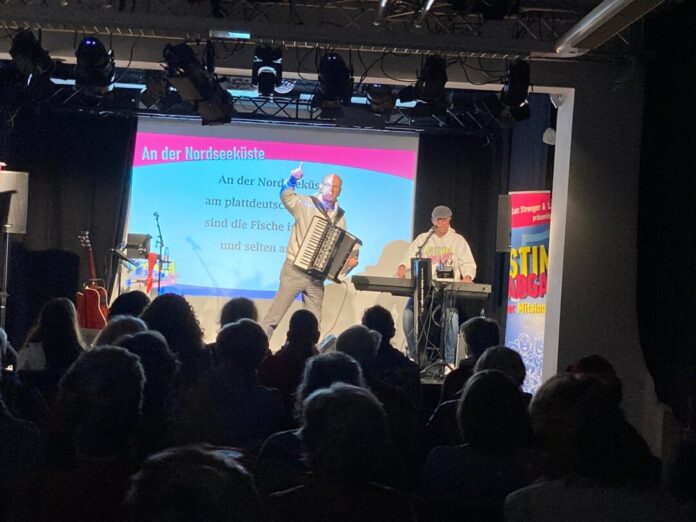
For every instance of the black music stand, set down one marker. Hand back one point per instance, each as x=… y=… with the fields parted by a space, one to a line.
x=5 y=200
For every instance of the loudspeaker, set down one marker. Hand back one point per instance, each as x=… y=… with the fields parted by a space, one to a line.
x=504 y=224
x=19 y=182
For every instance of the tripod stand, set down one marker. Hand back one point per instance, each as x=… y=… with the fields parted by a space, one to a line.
x=430 y=356
x=441 y=328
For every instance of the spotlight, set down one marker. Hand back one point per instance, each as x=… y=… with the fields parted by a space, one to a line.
x=430 y=86
x=267 y=69
x=506 y=115
x=95 y=69
x=429 y=89
x=381 y=98
x=516 y=87
x=335 y=82
x=196 y=85
x=28 y=55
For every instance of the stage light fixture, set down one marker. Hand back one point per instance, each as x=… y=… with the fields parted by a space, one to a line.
x=516 y=88
x=267 y=69
x=430 y=86
x=196 y=85
x=28 y=55
x=429 y=89
x=95 y=69
x=506 y=115
x=335 y=82
x=381 y=98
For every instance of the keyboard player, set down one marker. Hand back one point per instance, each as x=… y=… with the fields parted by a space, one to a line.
x=292 y=280
x=452 y=260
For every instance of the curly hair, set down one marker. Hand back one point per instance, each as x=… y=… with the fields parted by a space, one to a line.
x=173 y=316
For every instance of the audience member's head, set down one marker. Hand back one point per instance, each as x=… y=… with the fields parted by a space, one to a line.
x=480 y=333
x=579 y=424
x=504 y=359
x=599 y=368
x=241 y=346
x=118 y=326
x=129 y=303
x=360 y=343
x=100 y=398
x=58 y=333
x=321 y=371
x=303 y=329
x=173 y=317
x=238 y=308
x=380 y=320
x=492 y=413
x=192 y=483
x=159 y=364
x=344 y=431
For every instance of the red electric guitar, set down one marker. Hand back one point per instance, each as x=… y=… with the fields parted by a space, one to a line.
x=92 y=307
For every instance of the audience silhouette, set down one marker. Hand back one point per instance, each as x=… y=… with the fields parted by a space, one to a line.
x=151 y=424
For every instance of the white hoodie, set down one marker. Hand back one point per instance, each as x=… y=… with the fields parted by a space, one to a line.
x=450 y=250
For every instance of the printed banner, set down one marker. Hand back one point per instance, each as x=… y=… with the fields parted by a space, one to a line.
x=529 y=259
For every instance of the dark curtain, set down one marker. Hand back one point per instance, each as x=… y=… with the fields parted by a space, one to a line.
x=79 y=168
x=666 y=286
x=463 y=173
x=467 y=174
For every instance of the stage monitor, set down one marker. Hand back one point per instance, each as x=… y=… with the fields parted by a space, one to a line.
x=216 y=191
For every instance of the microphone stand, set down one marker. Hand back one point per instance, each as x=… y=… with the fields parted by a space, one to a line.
x=160 y=243
x=420 y=248
x=120 y=260
x=5 y=270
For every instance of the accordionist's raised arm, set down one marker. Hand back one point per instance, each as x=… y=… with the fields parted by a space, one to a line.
x=288 y=196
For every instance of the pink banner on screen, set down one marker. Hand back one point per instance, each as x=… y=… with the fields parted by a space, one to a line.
x=153 y=149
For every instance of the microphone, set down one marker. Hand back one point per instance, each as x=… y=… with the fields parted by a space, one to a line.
x=122 y=257
x=156 y=214
x=430 y=234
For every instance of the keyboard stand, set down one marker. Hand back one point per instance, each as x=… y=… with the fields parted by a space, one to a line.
x=433 y=363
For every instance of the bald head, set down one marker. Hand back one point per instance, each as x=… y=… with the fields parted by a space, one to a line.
x=330 y=189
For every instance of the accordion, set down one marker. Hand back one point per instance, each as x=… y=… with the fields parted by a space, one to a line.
x=325 y=250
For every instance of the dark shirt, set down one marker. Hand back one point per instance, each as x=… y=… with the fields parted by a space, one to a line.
x=456 y=379
x=466 y=483
x=393 y=367
x=323 y=500
x=241 y=415
x=281 y=465
x=283 y=371
x=92 y=490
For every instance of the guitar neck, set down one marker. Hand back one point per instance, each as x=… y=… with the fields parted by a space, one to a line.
x=90 y=266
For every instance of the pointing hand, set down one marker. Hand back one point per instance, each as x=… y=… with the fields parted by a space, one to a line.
x=297 y=173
